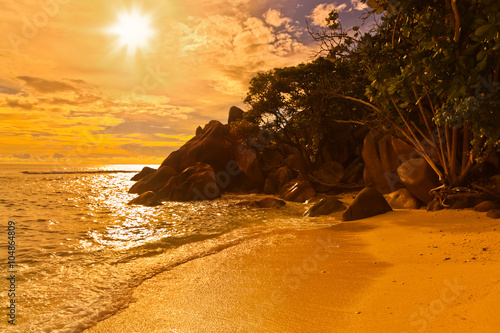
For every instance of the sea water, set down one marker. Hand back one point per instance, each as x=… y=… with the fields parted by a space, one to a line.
x=81 y=250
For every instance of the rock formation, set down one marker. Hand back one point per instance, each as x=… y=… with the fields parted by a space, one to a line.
x=193 y=184
x=325 y=206
x=369 y=202
x=146 y=199
x=419 y=178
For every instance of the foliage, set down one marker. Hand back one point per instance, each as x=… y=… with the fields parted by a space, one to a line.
x=429 y=70
x=432 y=65
x=295 y=102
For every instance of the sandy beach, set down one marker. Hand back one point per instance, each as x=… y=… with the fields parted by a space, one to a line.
x=404 y=271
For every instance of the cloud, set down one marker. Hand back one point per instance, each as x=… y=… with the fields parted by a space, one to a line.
x=274 y=17
x=358 y=5
x=57 y=156
x=21 y=103
x=46 y=86
x=146 y=149
x=137 y=127
x=320 y=13
x=25 y=156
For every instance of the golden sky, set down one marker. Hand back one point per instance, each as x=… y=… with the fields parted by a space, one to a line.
x=129 y=81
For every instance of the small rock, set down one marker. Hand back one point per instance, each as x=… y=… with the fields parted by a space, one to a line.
x=494 y=214
x=434 y=206
x=146 y=199
x=486 y=206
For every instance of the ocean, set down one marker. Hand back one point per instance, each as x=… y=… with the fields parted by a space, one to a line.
x=81 y=250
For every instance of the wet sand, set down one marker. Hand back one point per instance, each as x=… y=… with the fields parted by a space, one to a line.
x=404 y=271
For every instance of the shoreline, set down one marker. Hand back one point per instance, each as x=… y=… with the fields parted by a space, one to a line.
x=404 y=271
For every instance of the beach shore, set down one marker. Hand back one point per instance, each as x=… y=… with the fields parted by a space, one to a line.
x=404 y=271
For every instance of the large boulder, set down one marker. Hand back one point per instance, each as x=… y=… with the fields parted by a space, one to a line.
x=419 y=178
x=403 y=150
x=277 y=179
x=369 y=202
x=298 y=190
x=146 y=199
x=402 y=199
x=251 y=177
x=211 y=146
x=270 y=187
x=193 y=184
x=486 y=206
x=144 y=172
x=325 y=206
x=154 y=181
x=494 y=214
x=271 y=158
x=330 y=173
x=235 y=113
x=343 y=142
x=353 y=174
x=381 y=163
x=296 y=162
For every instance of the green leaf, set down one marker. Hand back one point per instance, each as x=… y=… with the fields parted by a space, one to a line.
x=483 y=29
x=480 y=55
x=482 y=65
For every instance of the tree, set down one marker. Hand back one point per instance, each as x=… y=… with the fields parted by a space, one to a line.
x=294 y=102
x=433 y=69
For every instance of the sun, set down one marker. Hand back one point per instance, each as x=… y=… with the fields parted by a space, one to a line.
x=133 y=30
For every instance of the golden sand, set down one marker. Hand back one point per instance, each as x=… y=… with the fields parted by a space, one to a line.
x=404 y=271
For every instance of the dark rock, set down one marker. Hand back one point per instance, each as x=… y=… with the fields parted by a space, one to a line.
x=235 y=113
x=496 y=183
x=296 y=162
x=369 y=202
x=264 y=203
x=146 y=199
x=325 y=206
x=298 y=190
x=403 y=150
x=419 y=178
x=465 y=201
x=330 y=173
x=343 y=143
x=494 y=214
x=270 y=203
x=252 y=177
x=315 y=200
x=199 y=131
x=269 y=186
x=486 y=206
x=193 y=184
x=154 y=181
x=271 y=158
x=144 y=172
x=211 y=147
x=282 y=176
x=434 y=206
x=381 y=163
x=277 y=179
x=402 y=199
x=354 y=172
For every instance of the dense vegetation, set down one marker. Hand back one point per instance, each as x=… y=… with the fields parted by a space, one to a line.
x=428 y=72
